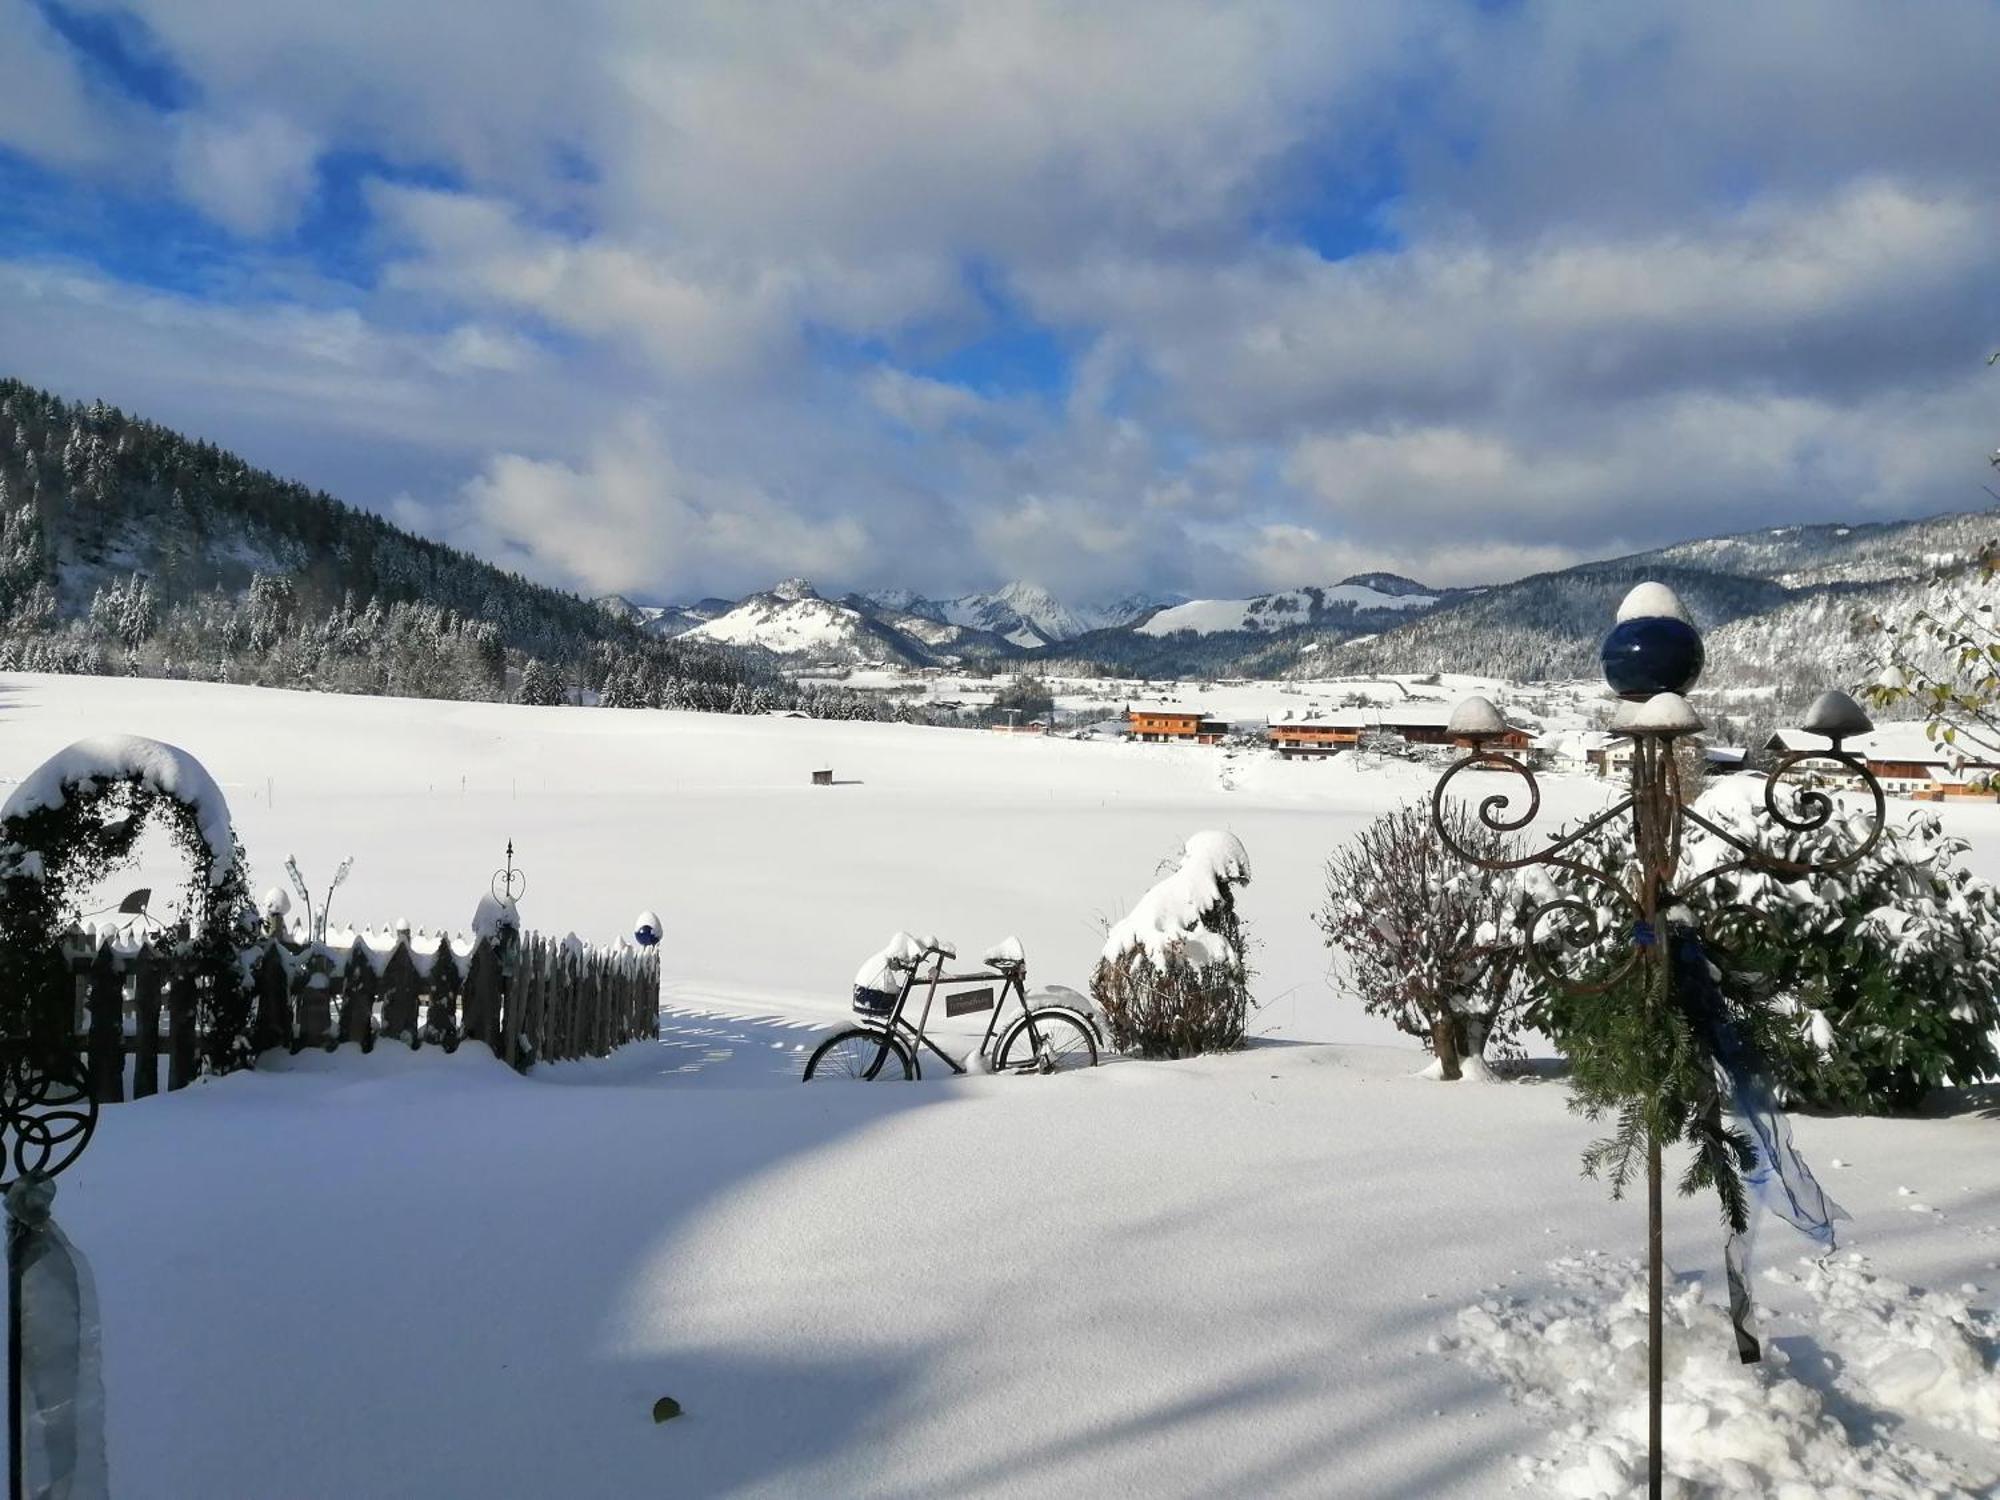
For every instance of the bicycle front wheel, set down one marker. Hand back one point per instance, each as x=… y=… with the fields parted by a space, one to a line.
x=1055 y=1042
x=860 y=1054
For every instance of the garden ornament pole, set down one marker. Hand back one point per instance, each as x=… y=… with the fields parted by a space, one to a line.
x=510 y=884
x=47 y=1117
x=1652 y=657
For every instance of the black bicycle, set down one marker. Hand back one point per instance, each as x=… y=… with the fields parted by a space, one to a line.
x=1042 y=1039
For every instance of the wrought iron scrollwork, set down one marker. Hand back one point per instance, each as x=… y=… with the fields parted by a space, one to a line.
x=1566 y=924
x=1812 y=811
x=47 y=1111
x=1492 y=813
x=1571 y=923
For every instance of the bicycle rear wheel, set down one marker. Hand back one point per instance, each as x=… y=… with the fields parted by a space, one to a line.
x=859 y=1054
x=1065 y=1042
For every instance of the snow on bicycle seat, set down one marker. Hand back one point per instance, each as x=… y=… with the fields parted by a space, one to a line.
x=1005 y=955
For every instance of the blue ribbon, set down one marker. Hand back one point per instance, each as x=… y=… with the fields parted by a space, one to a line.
x=1781 y=1181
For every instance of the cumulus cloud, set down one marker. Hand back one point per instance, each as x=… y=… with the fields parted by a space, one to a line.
x=250 y=175
x=1148 y=294
x=629 y=517
x=48 y=110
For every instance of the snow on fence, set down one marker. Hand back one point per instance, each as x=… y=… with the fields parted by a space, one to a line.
x=547 y=1000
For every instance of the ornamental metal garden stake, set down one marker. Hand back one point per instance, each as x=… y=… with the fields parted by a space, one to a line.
x=509 y=885
x=1653 y=656
x=47 y=1117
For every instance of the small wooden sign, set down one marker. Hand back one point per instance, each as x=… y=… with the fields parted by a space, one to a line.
x=966 y=1003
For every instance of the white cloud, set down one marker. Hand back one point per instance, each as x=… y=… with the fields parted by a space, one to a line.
x=629 y=517
x=1647 y=271
x=1285 y=556
x=251 y=175
x=48 y=112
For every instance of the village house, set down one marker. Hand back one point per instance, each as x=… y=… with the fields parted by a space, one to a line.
x=1328 y=733
x=1173 y=726
x=1905 y=759
x=1311 y=735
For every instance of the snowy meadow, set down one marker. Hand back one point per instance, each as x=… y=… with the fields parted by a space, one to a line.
x=1297 y=1269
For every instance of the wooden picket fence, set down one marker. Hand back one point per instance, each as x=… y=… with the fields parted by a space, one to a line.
x=547 y=1000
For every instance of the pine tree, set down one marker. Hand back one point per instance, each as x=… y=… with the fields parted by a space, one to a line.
x=540 y=686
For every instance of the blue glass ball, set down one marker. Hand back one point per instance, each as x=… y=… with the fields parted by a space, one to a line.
x=1658 y=654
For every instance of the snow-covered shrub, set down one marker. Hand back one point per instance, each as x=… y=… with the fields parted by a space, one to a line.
x=1863 y=989
x=1889 y=969
x=1431 y=942
x=1174 y=979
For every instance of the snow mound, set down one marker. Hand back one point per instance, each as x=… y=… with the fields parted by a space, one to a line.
x=167 y=769
x=1470 y=1070
x=1168 y=917
x=1733 y=1429
x=1926 y=1355
x=492 y=914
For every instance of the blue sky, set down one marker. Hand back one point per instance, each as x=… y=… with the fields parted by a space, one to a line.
x=1162 y=294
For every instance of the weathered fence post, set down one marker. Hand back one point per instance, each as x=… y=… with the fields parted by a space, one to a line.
x=535 y=1012
x=273 y=1026
x=315 y=1002
x=441 y=1023
x=399 y=1005
x=482 y=1000
x=146 y=1024
x=107 y=1028
x=357 y=1001
x=183 y=1037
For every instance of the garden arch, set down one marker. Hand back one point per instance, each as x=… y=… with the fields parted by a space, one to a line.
x=76 y=818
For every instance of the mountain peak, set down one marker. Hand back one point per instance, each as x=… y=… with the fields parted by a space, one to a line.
x=1022 y=593
x=795 y=589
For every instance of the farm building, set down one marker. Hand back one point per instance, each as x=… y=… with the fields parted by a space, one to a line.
x=1905 y=759
x=1344 y=728
x=1313 y=735
x=1171 y=726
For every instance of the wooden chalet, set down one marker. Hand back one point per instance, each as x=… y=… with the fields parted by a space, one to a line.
x=1906 y=760
x=1173 y=726
x=1310 y=737
x=1345 y=728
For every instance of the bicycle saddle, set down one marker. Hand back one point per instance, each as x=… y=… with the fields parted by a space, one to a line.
x=1006 y=956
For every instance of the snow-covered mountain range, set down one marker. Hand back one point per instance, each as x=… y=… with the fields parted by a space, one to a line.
x=1780 y=601
x=124 y=541
x=1025 y=614
x=1272 y=612
x=900 y=627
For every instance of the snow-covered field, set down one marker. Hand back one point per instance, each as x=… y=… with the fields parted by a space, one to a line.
x=1296 y=1270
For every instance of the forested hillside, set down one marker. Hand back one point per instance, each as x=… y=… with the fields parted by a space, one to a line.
x=125 y=547
x=1785 y=608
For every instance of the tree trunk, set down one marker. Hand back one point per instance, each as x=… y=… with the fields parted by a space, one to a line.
x=1444 y=1041
x=1472 y=1032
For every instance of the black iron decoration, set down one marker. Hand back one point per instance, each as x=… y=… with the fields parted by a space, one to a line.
x=1651 y=658
x=47 y=1117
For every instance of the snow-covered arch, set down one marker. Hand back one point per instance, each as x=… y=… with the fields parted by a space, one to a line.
x=75 y=818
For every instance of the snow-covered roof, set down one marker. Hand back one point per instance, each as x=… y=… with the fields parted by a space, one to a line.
x=1904 y=740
